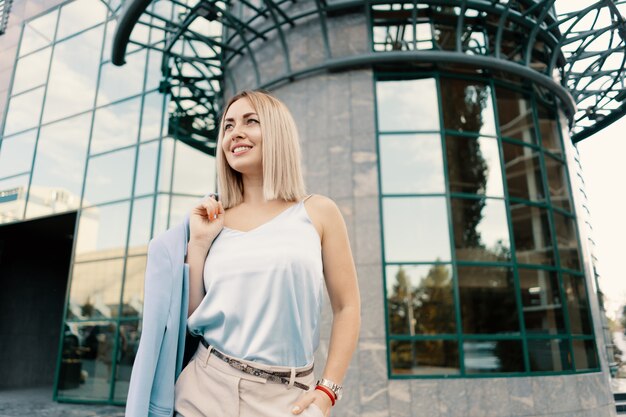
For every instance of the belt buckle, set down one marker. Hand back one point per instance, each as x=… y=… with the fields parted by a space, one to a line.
x=240 y=366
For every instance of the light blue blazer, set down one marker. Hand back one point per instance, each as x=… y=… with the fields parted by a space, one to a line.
x=159 y=358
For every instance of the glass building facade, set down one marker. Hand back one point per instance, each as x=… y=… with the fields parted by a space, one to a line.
x=452 y=167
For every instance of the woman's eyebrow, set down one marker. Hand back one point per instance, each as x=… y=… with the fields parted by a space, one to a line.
x=230 y=119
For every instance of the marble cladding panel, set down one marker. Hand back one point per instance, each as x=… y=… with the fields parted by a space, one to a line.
x=372 y=301
x=373 y=384
x=424 y=397
x=367 y=247
x=348 y=35
x=521 y=398
x=399 y=399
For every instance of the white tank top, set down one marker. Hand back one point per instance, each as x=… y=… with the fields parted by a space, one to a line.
x=264 y=291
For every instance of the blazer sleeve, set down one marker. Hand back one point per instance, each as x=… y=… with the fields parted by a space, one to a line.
x=157 y=295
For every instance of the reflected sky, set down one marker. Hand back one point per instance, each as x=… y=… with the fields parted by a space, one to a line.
x=116 y=126
x=16 y=153
x=38 y=32
x=31 y=71
x=109 y=177
x=102 y=232
x=407 y=105
x=80 y=15
x=24 y=111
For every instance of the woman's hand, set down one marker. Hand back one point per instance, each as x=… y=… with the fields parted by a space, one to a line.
x=314 y=396
x=206 y=221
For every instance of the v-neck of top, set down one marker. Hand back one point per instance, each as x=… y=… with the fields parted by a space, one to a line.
x=267 y=222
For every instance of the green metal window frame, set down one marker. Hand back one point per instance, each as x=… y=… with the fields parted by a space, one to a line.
x=459 y=336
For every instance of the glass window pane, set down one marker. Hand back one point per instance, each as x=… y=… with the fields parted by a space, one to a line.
x=16 y=153
x=73 y=75
x=487 y=300
x=420 y=299
x=489 y=356
x=474 y=166
x=38 y=32
x=31 y=71
x=515 y=115
x=109 y=177
x=85 y=371
x=411 y=164
x=134 y=286
x=523 y=172
x=24 y=111
x=577 y=304
x=154 y=75
x=145 y=180
x=407 y=105
x=416 y=229
x=140 y=226
x=180 y=207
x=467 y=106
x=481 y=232
x=152 y=115
x=551 y=355
x=161 y=214
x=117 y=83
x=558 y=184
x=531 y=234
x=79 y=15
x=541 y=300
x=567 y=241
x=549 y=129
x=194 y=171
x=96 y=289
x=13 y=198
x=115 y=126
x=427 y=357
x=166 y=164
x=58 y=176
x=585 y=354
x=102 y=232
x=130 y=332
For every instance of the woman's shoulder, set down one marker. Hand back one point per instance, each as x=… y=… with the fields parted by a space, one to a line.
x=322 y=210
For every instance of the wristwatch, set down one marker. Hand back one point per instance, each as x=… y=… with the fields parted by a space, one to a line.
x=335 y=388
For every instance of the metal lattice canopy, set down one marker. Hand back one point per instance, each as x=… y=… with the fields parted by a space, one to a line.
x=578 y=56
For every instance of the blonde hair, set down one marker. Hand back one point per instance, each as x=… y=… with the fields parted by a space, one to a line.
x=282 y=174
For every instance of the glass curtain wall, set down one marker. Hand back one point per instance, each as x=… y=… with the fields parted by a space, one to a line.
x=83 y=135
x=483 y=274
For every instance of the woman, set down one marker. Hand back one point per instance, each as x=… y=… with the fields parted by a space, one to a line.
x=258 y=260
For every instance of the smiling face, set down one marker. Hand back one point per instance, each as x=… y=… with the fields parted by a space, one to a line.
x=242 y=140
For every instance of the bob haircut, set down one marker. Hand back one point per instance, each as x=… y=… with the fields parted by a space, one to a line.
x=282 y=174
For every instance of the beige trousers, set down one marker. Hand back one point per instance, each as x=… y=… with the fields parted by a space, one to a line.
x=209 y=387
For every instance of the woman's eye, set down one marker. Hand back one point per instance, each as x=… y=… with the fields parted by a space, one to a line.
x=227 y=126
x=253 y=120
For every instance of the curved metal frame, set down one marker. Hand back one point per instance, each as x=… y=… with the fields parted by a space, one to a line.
x=554 y=45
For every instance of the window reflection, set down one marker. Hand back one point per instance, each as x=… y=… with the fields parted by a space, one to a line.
x=427 y=357
x=80 y=15
x=416 y=229
x=515 y=115
x=180 y=207
x=585 y=354
x=145 y=181
x=102 y=232
x=115 y=126
x=38 y=32
x=411 y=164
x=134 y=286
x=140 y=226
x=558 y=184
x=24 y=111
x=194 y=171
x=16 y=153
x=73 y=75
x=523 y=172
x=420 y=299
x=117 y=83
x=547 y=355
x=567 y=241
x=13 y=198
x=166 y=164
x=467 y=106
x=96 y=288
x=480 y=230
x=549 y=129
x=58 y=176
x=161 y=214
x=577 y=304
x=130 y=332
x=109 y=177
x=152 y=115
x=531 y=234
x=31 y=71
x=487 y=356
x=407 y=105
x=474 y=166
x=87 y=360
x=488 y=303
x=541 y=300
